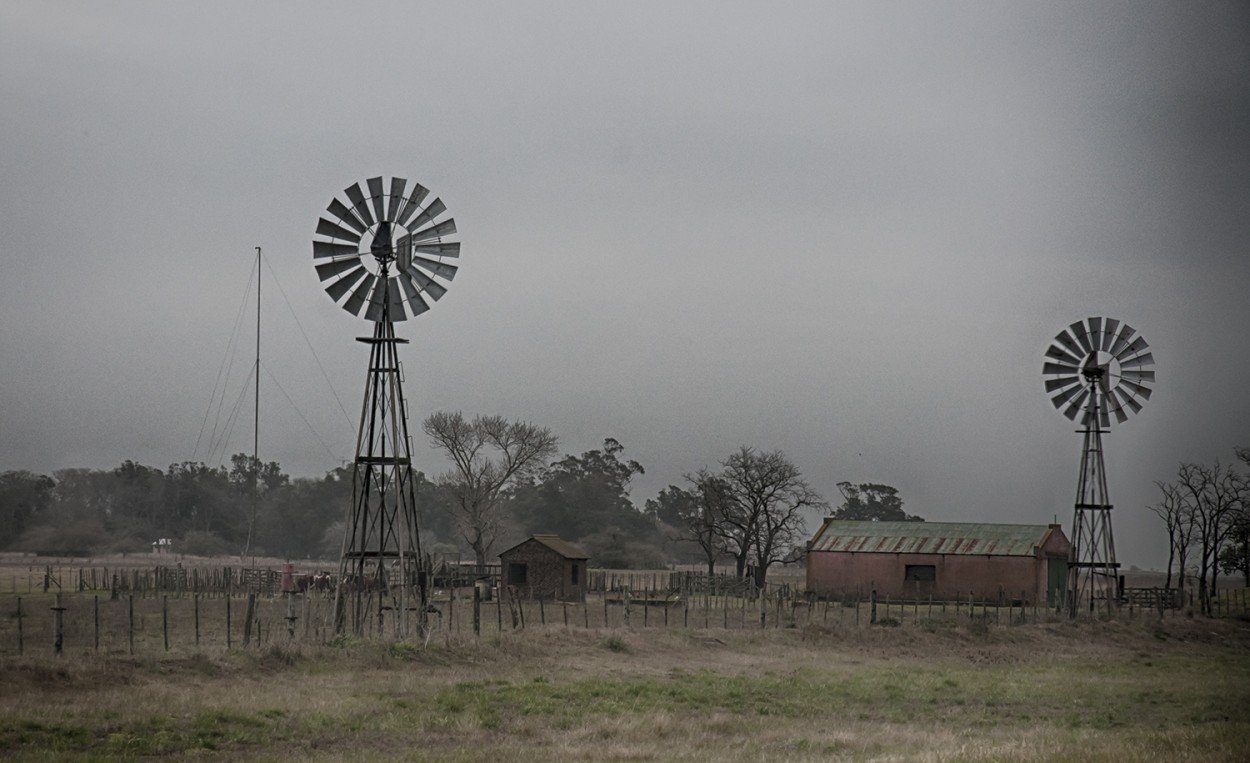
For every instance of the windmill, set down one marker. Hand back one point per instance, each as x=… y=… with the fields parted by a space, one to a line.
x=383 y=254
x=1097 y=370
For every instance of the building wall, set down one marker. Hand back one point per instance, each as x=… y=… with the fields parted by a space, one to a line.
x=844 y=573
x=548 y=574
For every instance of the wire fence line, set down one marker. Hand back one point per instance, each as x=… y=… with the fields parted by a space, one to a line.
x=175 y=580
x=87 y=623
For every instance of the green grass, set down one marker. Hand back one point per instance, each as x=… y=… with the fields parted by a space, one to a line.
x=1091 y=691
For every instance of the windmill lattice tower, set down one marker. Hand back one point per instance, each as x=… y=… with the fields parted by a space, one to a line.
x=384 y=255
x=1096 y=369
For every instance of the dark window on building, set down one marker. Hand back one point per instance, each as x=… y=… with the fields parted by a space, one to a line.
x=574 y=573
x=518 y=574
x=920 y=573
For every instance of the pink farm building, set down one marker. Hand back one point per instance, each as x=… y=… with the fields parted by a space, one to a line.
x=945 y=560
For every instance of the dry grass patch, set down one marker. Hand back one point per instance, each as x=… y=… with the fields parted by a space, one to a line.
x=1059 y=691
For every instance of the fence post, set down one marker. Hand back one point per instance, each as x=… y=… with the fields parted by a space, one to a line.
x=477 y=612
x=165 y=620
x=229 y=642
x=58 y=636
x=290 y=615
x=247 y=620
x=95 y=617
x=130 y=616
x=872 y=609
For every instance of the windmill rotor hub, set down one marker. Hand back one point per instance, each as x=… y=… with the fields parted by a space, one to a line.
x=382 y=247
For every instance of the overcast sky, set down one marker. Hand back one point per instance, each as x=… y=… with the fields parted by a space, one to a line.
x=848 y=231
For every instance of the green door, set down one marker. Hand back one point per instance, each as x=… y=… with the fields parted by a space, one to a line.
x=1056 y=580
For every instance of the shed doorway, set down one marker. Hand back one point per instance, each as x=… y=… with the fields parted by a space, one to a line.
x=1056 y=581
x=919 y=579
x=518 y=574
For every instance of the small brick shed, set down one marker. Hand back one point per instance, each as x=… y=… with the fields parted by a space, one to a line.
x=545 y=567
x=945 y=560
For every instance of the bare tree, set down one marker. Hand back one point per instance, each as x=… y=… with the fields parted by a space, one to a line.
x=1175 y=512
x=1215 y=497
x=761 y=514
x=488 y=455
x=699 y=524
x=1236 y=556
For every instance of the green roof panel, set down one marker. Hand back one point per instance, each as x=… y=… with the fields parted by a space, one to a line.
x=930 y=538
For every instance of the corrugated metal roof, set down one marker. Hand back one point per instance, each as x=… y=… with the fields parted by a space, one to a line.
x=929 y=538
x=561 y=546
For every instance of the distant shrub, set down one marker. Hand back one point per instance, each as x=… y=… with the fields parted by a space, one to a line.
x=202 y=543
x=889 y=622
x=77 y=538
x=616 y=644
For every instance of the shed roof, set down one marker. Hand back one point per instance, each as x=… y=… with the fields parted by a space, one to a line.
x=932 y=538
x=556 y=544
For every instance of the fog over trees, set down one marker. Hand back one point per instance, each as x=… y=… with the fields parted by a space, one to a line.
x=502 y=486
x=750 y=512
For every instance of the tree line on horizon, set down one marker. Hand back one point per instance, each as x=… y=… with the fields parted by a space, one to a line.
x=502 y=486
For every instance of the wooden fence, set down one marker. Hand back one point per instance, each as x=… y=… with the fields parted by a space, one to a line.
x=684 y=583
x=148 y=581
x=87 y=622
x=1168 y=598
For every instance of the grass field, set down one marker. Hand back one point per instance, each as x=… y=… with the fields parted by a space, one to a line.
x=930 y=691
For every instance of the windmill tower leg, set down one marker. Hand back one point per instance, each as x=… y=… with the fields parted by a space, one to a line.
x=1094 y=570
x=380 y=571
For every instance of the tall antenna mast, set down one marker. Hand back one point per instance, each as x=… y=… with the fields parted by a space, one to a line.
x=255 y=470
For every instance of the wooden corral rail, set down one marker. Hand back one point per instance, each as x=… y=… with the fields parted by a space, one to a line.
x=685 y=583
x=1153 y=598
x=176 y=580
x=454 y=574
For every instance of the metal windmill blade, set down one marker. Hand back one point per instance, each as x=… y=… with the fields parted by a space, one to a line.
x=1098 y=364
x=396 y=198
x=371 y=272
x=378 y=198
